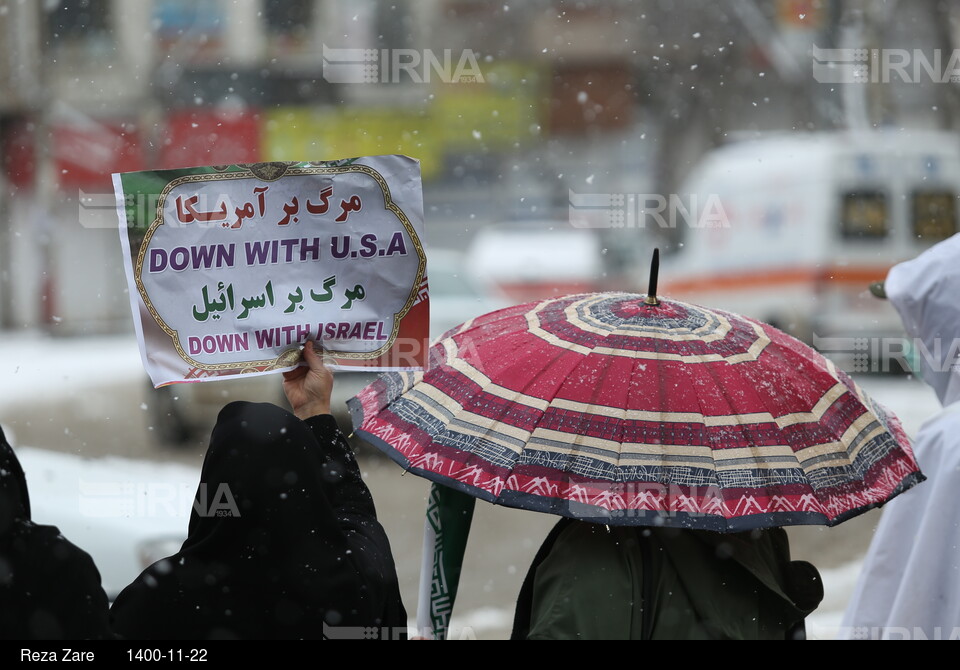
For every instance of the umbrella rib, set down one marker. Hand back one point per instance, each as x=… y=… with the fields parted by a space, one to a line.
x=710 y=438
x=539 y=418
x=575 y=442
x=758 y=457
x=792 y=437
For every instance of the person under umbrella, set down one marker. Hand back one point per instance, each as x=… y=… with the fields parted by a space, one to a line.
x=595 y=582
x=50 y=589
x=661 y=417
x=909 y=586
x=283 y=540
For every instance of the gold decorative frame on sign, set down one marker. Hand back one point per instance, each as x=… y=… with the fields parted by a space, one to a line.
x=290 y=356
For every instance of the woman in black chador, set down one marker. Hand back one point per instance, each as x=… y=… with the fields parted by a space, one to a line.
x=50 y=589
x=283 y=540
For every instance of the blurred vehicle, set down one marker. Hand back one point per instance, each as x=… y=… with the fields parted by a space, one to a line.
x=126 y=514
x=182 y=415
x=455 y=297
x=793 y=229
x=533 y=260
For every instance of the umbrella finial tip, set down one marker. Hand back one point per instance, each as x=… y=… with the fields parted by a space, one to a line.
x=651 y=298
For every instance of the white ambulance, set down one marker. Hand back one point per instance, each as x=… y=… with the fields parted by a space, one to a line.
x=808 y=222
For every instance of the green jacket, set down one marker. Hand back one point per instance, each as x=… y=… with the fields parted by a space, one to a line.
x=594 y=582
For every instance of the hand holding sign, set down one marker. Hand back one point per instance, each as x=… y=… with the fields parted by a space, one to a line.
x=308 y=389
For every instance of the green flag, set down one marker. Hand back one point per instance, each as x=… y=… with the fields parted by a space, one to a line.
x=447 y=526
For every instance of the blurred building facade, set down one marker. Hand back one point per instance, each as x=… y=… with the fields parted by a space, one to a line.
x=510 y=107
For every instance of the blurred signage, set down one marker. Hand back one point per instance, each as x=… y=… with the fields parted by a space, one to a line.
x=289 y=132
x=210 y=137
x=189 y=19
x=86 y=153
x=505 y=111
x=808 y=14
x=585 y=98
x=461 y=118
x=232 y=268
x=18 y=152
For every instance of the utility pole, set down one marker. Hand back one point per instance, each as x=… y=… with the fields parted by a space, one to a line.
x=20 y=97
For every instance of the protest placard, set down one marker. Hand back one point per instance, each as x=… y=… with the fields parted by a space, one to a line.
x=232 y=268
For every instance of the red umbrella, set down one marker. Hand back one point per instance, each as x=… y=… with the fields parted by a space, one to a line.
x=620 y=408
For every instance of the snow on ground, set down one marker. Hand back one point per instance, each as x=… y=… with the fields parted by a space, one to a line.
x=126 y=514
x=34 y=366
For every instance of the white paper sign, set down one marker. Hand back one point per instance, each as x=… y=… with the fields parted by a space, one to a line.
x=232 y=268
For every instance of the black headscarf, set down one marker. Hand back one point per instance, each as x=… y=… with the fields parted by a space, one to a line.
x=283 y=542
x=14 y=498
x=49 y=588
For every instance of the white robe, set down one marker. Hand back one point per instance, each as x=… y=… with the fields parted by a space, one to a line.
x=909 y=587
